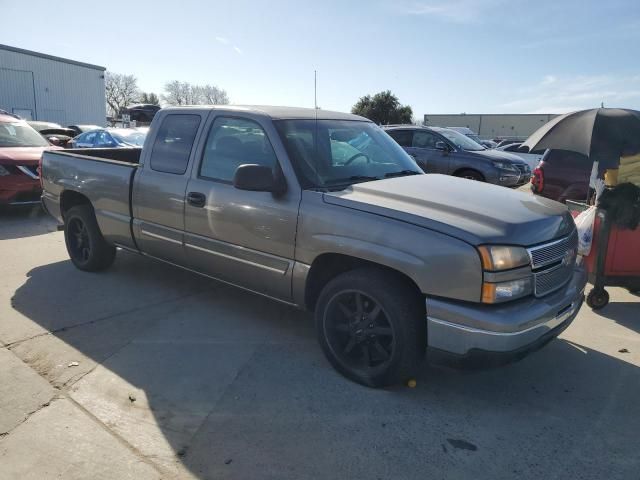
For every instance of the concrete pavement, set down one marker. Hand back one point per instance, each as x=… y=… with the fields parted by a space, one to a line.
x=146 y=371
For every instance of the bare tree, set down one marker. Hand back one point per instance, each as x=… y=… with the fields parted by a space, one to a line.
x=120 y=90
x=150 y=98
x=212 y=95
x=185 y=93
x=175 y=93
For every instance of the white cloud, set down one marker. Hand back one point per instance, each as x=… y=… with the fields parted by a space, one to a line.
x=227 y=41
x=458 y=11
x=549 y=79
x=560 y=94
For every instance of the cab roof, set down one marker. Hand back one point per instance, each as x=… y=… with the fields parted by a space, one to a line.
x=278 y=113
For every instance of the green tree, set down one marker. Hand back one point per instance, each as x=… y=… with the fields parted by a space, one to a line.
x=383 y=108
x=150 y=98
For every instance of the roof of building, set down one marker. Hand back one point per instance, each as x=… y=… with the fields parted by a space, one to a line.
x=280 y=113
x=50 y=57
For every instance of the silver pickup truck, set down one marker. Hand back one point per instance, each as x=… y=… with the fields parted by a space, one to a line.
x=326 y=212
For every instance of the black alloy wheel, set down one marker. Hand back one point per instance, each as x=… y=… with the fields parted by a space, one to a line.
x=358 y=331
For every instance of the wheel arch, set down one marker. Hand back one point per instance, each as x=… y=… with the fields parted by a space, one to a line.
x=72 y=198
x=460 y=170
x=327 y=266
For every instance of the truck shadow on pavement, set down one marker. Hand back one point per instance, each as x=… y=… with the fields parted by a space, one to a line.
x=208 y=381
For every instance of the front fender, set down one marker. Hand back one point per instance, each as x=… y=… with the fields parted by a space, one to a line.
x=438 y=264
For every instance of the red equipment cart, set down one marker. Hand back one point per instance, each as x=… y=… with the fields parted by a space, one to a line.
x=614 y=259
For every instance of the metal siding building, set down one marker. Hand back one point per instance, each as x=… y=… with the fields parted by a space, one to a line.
x=37 y=86
x=490 y=126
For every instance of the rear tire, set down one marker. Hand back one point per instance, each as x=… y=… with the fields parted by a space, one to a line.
x=86 y=246
x=470 y=175
x=371 y=327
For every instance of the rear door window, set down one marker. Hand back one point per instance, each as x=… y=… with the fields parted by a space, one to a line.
x=424 y=140
x=103 y=139
x=88 y=138
x=404 y=138
x=173 y=144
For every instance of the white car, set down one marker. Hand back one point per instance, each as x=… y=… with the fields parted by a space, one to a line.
x=532 y=159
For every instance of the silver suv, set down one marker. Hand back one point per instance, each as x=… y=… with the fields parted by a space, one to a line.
x=442 y=150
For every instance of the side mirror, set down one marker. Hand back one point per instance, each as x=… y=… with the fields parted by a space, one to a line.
x=257 y=178
x=442 y=146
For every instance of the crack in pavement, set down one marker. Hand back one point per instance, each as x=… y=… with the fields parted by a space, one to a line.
x=28 y=415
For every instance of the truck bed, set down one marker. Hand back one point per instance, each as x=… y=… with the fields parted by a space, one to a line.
x=125 y=155
x=104 y=176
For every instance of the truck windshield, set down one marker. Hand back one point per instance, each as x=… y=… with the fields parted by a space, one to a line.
x=19 y=134
x=338 y=153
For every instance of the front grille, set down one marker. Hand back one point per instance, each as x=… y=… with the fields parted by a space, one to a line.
x=553 y=252
x=553 y=263
x=551 y=279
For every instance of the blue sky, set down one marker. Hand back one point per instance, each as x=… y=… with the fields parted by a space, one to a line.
x=439 y=56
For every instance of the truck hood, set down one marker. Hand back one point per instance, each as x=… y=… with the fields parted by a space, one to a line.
x=475 y=212
x=22 y=155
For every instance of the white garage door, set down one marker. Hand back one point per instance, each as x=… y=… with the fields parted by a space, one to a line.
x=16 y=92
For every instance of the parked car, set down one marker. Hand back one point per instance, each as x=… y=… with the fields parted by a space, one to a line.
x=532 y=159
x=322 y=210
x=501 y=142
x=80 y=129
x=54 y=133
x=4 y=112
x=109 y=138
x=474 y=136
x=562 y=176
x=143 y=112
x=20 y=149
x=440 y=150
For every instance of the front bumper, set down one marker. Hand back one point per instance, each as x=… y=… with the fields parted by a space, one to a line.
x=19 y=190
x=462 y=328
x=510 y=179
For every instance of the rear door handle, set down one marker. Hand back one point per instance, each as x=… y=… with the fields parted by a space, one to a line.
x=196 y=199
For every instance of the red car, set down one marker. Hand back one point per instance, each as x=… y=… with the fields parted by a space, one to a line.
x=562 y=176
x=20 y=150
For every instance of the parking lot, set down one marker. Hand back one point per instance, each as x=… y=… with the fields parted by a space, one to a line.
x=146 y=371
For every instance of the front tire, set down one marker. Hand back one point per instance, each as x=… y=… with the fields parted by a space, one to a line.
x=86 y=246
x=371 y=327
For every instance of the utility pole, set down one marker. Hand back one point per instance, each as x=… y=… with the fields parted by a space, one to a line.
x=315 y=89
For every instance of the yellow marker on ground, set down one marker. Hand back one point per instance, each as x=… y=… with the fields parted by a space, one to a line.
x=412 y=383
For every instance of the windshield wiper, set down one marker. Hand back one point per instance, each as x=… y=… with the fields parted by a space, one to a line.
x=401 y=173
x=354 y=179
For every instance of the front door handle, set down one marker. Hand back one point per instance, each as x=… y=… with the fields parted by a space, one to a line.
x=196 y=199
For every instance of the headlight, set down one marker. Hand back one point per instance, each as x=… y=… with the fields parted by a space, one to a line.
x=504 y=291
x=4 y=172
x=502 y=257
x=504 y=166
